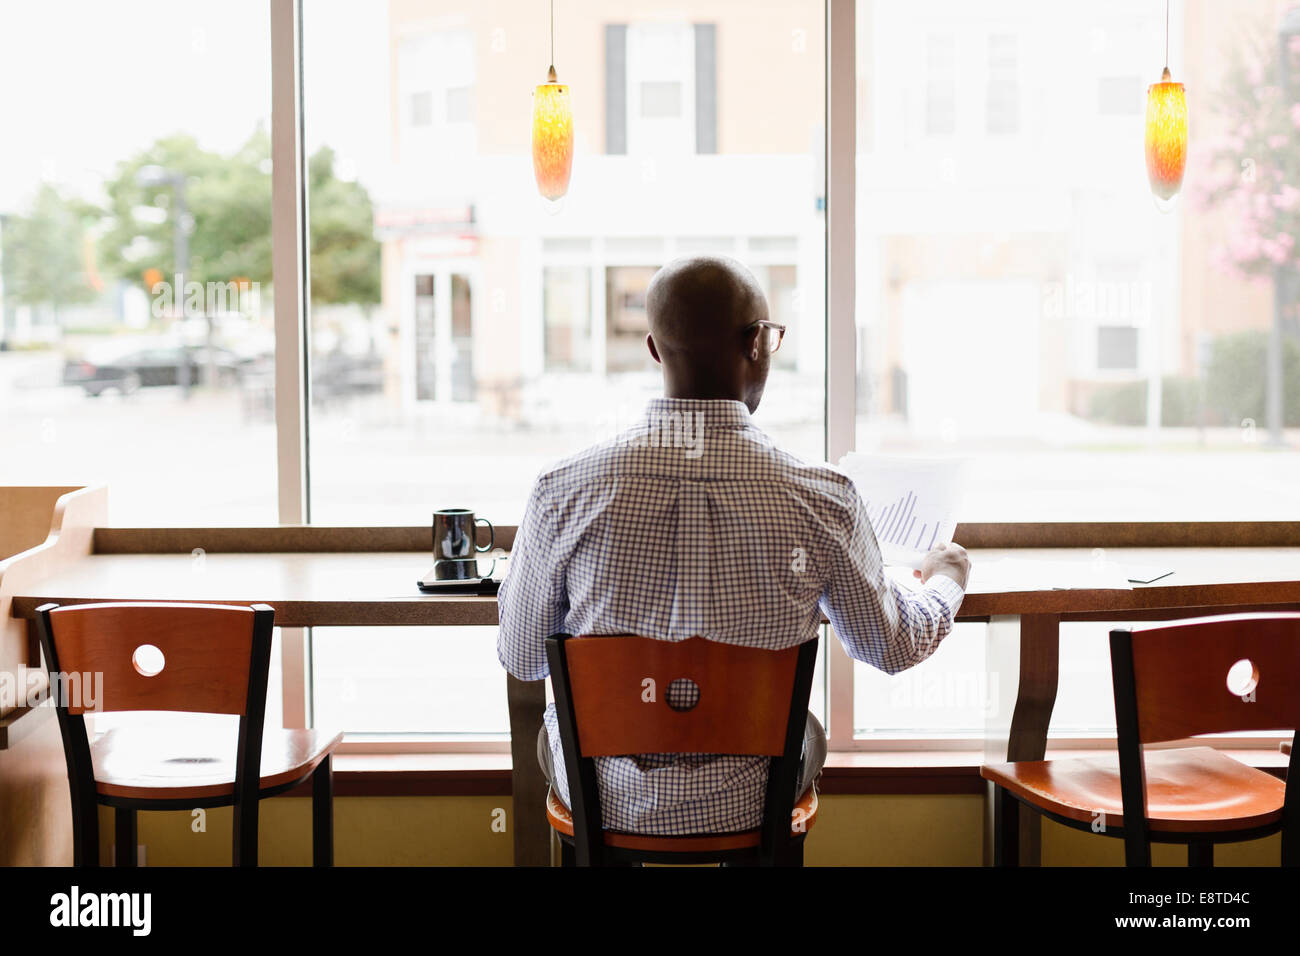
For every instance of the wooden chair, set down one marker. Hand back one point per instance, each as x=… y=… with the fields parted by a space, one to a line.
x=192 y=658
x=1172 y=682
x=751 y=702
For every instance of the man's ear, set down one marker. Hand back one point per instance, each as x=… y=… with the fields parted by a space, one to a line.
x=654 y=353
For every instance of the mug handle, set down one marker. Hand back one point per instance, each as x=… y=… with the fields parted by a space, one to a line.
x=492 y=535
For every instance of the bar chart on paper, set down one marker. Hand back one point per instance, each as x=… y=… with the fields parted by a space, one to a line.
x=895 y=521
x=912 y=503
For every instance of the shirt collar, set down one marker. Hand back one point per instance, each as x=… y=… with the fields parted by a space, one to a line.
x=717 y=413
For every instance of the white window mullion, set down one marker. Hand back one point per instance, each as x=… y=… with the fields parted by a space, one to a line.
x=289 y=270
x=841 y=333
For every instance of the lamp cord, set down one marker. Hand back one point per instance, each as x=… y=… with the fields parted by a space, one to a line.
x=1166 y=33
x=553 y=34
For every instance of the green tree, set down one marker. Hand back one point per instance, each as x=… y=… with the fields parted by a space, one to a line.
x=229 y=201
x=344 y=251
x=48 y=252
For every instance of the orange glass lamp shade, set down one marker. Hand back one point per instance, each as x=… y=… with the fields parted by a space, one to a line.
x=1166 y=137
x=552 y=138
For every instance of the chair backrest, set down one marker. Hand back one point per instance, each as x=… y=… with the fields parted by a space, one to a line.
x=204 y=652
x=619 y=688
x=1212 y=675
x=1208 y=675
x=194 y=658
x=615 y=695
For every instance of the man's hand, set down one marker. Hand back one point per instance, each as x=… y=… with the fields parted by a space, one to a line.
x=949 y=560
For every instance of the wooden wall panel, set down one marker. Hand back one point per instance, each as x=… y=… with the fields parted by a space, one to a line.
x=25 y=516
x=35 y=808
x=35 y=813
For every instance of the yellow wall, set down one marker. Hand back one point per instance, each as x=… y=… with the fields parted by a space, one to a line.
x=368 y=831
x=1063 y=846
x=457 y=831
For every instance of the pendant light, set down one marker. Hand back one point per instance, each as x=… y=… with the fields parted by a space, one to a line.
x=1166 y=133
x=552 y=131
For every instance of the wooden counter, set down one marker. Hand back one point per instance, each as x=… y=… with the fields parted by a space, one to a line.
x=378 y=588
x=306 y=589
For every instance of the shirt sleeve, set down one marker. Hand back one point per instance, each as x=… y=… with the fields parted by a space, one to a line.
x=879 y=622
x=532 y=602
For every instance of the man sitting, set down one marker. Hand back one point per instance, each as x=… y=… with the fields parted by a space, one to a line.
x=695 y=523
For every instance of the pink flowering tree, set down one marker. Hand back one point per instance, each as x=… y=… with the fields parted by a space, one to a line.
x=1253 y=172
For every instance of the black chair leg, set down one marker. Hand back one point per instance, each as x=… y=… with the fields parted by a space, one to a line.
x=794 y=857
x=1006 y=828
x=1200 y=854
x=244 y=837
x=322 y=814
x=85 y=832
x=125 y=836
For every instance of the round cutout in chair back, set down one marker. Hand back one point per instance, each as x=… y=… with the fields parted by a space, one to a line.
x=1243 y=678
x=148 y=660
x=683 y=694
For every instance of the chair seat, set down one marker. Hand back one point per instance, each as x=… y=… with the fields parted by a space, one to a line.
x=802 y=820
x=1189 y=790
x=195 y=759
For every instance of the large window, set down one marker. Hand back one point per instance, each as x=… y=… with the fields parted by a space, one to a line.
x=463 y=332
x=468 y=334
x=1022 y=303
x=136 y=338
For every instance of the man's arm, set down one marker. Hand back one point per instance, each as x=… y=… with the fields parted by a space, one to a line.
x=880 y=623
x=532 y=602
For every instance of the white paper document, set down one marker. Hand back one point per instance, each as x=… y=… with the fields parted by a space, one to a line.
x=912 y=502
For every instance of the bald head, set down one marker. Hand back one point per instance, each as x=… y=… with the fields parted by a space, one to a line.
x=699 y=309
x=696 y=303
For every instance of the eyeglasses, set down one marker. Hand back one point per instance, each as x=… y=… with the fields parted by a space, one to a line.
x=775 y=333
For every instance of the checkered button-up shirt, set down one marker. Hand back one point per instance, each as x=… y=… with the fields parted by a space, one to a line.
x=694 y=523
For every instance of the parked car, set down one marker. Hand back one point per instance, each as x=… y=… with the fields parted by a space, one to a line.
x=338 y=375
x=151 y=367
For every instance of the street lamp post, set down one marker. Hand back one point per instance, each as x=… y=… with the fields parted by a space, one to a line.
x=4 y=296
x=1282 y=273
x=181 y=224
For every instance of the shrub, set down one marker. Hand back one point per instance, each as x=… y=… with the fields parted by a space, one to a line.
x=1236 y=381
x=1125 y=403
